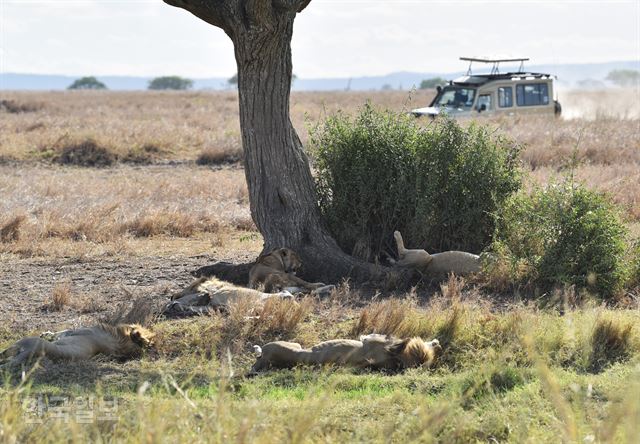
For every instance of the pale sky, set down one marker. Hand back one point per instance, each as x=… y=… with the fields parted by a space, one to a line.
x=332 y=38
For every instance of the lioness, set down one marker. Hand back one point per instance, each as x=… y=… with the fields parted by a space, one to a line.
x=276 y=270
x=121 y=341
x=374 y=350
x=210 y=293
x=458 y=262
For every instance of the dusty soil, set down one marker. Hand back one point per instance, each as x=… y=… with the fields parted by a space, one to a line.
x=97 y=287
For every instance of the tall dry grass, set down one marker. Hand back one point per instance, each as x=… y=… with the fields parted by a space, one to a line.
x=105 y=206
x=185 y=125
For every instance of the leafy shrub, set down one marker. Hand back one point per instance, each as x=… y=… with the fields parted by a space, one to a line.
x=366 y=177
x=464 y=176
x=380 y=172
x=563 y=234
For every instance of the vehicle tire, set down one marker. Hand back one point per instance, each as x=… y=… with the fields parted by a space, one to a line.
x=557 y=108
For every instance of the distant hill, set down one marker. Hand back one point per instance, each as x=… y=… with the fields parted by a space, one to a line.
x=569 y=76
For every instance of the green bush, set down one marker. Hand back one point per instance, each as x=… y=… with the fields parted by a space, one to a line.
x=439 y=186
x=464 y=176
x=366 y=178
x=170 y=82
x=564 y=234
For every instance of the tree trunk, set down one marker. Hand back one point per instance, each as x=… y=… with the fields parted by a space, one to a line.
x=281 y=188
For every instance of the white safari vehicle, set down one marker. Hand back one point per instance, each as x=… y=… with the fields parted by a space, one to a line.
x=495 y=93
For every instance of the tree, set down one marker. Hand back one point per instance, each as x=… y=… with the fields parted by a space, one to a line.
x=624 y=77
x=170 y=82
x=233 y=80
x=281 y=188
x=432 y=82
x=87 y=83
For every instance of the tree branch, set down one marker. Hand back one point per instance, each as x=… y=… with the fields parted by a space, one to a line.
x=211 y=11
x=291 y=5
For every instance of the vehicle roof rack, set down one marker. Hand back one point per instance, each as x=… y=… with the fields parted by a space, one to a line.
x=496 y=62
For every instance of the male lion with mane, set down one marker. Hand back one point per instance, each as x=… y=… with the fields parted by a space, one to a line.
x=373 y=351
x=122 y=341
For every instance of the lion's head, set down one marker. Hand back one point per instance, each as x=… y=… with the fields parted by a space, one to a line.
x=389 y=352
x=140 y=336
x=283 y=259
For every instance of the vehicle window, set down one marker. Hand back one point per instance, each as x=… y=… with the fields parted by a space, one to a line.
x=484 y=99
x=532 y=94
x=505 y=96
x=456 y=97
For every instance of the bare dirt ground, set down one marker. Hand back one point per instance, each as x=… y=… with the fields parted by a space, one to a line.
x=100 y=284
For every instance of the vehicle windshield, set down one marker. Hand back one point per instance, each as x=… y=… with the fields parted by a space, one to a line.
x=455 y=97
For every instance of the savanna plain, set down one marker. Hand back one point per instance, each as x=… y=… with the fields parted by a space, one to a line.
x=109 y=200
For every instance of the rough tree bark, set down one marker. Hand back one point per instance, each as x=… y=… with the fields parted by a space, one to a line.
x=281 y=190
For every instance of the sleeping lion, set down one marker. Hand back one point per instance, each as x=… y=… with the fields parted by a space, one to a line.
x=207 y=293
x=121 y=341
x=373 y=351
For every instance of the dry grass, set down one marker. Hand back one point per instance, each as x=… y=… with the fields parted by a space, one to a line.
x=385 y=317
x=610 y=343
x=245 y=325
x=170 y=223
x=220 y=155
x=81 y=205
x=61 y=296
x=10 y=230
x=15 y=107
x=64 y=295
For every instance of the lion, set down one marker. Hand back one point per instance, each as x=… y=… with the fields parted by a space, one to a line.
x=373 y=351
x=122 y=341
x=276 y=270
x=458 y=262
x=207 y=293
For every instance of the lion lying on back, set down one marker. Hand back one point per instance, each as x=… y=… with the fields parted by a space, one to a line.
x=277 y=271
x=458 y=262
x=122 y=341
x=374 y=351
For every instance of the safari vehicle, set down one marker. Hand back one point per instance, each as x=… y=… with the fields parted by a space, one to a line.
x=496 y=93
